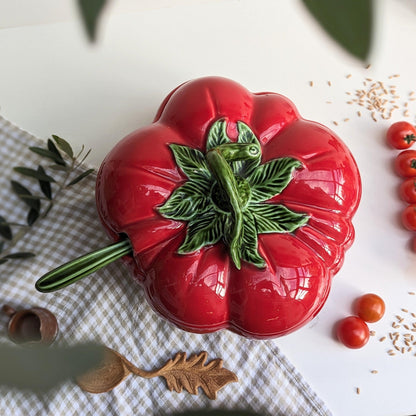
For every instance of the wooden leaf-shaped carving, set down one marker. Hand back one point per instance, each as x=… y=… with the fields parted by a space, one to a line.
x=189 y=374
x=179 y=374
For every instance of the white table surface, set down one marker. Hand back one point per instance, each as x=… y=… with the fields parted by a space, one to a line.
x=52 y=81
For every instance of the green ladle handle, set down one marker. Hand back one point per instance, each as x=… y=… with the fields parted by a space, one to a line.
x=76 y=269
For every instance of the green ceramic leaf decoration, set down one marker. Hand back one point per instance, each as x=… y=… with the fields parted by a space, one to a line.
x=217 y=135
x=228 y=203
x=191 y=161
x=249 y=248
x=276 y=218
x=186 y=201
x=271 y=178
x=245 y=135
x=206 y=229
x=348 y=22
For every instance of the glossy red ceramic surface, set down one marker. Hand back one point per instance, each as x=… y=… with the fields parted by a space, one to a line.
x=203 y=291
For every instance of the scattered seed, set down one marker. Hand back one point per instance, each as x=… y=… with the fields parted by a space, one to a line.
x=382 y=339
x=346 y=119
x=335 y=123
x=374 y=372
x=405 y=310
x=358 y=390
x=329 y=83
x=311 y=83
x=348 y=76
x=368 y=66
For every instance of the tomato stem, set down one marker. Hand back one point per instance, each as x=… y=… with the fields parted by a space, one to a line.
x=82 y=266
x=218 y=160
x=409 y=138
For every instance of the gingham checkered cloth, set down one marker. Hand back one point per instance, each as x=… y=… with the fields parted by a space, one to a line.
x=110 y=308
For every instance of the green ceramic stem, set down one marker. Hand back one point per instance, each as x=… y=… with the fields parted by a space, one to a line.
x=76 y=269
x=219 y=159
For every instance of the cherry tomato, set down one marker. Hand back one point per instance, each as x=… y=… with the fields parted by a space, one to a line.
x=353 y=332
x=401 y=135
x=407 y=190
x=369 y=307
x=405 y=163
x=409 y=217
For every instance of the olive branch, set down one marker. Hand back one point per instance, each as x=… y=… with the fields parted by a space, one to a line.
x=63 y=163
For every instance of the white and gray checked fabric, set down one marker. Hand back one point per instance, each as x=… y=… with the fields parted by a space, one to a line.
x=110 y=308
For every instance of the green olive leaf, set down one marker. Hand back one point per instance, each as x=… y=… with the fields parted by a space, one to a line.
x=25 y=195
x=271 y=178
x=348 y=22
x=33 y=174
x=32 y=216
x=46 y=153
x=5 y=229
x=20 y=255
x=191 y=161
x=63 y=145
x=276 y=218
x=52 y=148
x=90 y=13
x=81 y=177
x=45 y=186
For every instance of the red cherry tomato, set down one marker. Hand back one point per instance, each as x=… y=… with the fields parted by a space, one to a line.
x=401 y=135
x=407 y=190
x=409 y=217
x=405 y=163
x=353 y=332
x=369 y=307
